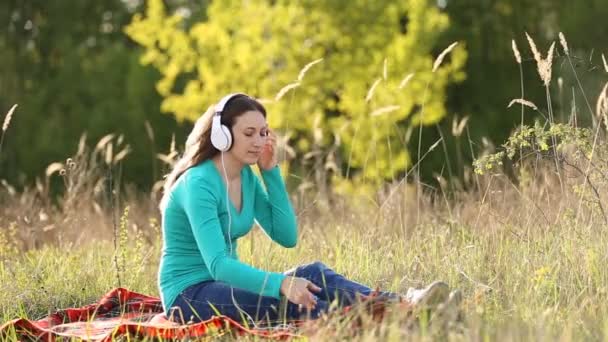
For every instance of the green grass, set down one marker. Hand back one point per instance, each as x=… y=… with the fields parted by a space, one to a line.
x=529 y=257
x=542 y=283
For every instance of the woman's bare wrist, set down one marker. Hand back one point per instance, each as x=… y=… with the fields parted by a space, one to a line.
x=284 y=286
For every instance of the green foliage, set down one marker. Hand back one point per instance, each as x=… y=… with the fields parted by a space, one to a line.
x=493 y=77
x=72 y=71
x=260 y=46
x=123 y=238
x=539 y=141
x=8 y=243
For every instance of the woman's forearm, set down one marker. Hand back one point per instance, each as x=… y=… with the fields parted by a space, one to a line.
x=273 y=209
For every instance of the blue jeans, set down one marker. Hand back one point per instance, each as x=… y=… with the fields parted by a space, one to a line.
x=197 y=302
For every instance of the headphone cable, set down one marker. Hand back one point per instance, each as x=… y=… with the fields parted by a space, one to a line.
x=230 y=238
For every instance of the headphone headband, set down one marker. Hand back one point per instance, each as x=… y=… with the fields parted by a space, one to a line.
x=221 y=105
x=221 y=138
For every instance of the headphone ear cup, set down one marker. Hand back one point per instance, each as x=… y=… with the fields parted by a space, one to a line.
x=220 y=135
x=228 y=137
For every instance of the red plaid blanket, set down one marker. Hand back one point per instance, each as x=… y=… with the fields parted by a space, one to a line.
x=123 y=312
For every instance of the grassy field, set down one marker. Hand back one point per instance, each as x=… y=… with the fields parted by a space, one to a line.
x=528 y=267
x=528 y=247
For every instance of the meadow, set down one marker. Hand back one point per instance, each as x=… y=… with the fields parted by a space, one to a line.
x=525 y=243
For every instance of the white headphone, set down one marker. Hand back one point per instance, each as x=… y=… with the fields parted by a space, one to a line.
x=222 y=140
x=220 y=134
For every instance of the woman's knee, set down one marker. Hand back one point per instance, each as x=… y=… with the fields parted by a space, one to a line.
x=307 y=270
x=312 y=271
x=317 y=266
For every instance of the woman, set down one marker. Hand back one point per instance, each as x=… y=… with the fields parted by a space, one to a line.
x=211 y=199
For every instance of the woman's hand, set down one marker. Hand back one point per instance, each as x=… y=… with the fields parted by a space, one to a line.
x=298 y=291
x=268 y=157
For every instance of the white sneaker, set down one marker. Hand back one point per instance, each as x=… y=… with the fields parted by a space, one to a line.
x=450 y=311
x=452 y=306
x=431 y=296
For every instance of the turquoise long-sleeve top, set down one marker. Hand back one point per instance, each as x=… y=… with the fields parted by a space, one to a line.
x=197 y=244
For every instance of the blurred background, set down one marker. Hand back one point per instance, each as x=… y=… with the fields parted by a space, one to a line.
x=144 y=70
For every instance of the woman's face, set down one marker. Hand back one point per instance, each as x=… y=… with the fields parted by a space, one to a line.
x=248 y=136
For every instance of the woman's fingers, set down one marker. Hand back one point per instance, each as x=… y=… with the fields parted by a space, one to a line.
x=312 y=300
x=270 y=133
x=307 y=300
x=271 y=141
x=270 y=136
x=303 y=295
x=309 y=303
x=314 y=287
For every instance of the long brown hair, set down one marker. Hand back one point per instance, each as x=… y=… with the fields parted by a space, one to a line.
x=198 y=145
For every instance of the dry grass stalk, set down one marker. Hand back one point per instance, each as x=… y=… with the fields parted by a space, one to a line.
x=442 y=55
x=602 y=106
x=385 y=69
x=605 y=63
x=286 y=89
x=458 y=127
x=544 y=66
x=53 y=168
x=292 y=85
x=406 y=80
x=122 y=154
x=265 y=100
x=384 y=110
x=172 y=148
x=70 y=163
x=537 y=56
x=370 y=92
x=307 y=67
x=109 y=154
x=545 y=70
x=7 y=122
x=101 y=144
x=82 y=144
x=523 y=102
x=149 y=130
x=516 y=51
x=564 y=43
x=8 y=117
x=168 y=159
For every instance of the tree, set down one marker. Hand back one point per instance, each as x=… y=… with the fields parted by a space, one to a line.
x=493 y=79
x=367 y=49
x=71 y=70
